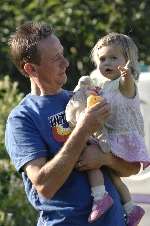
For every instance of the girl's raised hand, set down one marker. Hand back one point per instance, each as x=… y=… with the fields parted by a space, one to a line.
x=126 y=70
x=127 y=84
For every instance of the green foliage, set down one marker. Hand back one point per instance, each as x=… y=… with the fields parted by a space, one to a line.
x=12 y=197
x=9 y=97
x=79 y=24
x=14 y=209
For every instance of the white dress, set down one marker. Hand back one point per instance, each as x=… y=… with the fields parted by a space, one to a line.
x=125 y=125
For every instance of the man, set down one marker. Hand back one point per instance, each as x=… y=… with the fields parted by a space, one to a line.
x=50 y=159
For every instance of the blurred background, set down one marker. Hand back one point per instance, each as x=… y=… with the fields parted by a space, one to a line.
x=79 y=24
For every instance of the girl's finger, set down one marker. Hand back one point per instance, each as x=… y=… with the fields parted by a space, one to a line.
x=127 y=66
x=120 y=68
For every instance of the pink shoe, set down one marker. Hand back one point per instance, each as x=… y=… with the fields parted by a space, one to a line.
x=100 y=207
x=135 y=216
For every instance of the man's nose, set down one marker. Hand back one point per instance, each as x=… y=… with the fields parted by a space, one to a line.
x=65 y=62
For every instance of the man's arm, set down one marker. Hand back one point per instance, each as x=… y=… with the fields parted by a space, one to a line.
x=93 y=158
x=122 y=167
x=48 y=176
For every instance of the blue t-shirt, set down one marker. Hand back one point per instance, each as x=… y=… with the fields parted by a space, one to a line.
x=36 y=128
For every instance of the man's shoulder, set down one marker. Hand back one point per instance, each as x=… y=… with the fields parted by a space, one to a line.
x=22 y=107
x=68 y=92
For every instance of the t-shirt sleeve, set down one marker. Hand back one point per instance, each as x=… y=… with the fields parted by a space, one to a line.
x=23 y=141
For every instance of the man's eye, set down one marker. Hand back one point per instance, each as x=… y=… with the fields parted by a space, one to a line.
x=59 y=57
x=54 y=59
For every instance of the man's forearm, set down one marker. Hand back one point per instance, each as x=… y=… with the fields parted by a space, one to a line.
x=48 y=177
x=55 y=172
x=122 y=167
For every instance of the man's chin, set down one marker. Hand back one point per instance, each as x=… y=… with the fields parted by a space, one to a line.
x=61 y=84
x=65 y=81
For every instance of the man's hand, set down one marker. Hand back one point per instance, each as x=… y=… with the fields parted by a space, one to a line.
x=92 y=158
x=94 y=117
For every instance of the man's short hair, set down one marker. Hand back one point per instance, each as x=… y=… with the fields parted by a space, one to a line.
x=24 y=43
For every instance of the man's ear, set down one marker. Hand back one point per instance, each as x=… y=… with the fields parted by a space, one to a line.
x=30 y=69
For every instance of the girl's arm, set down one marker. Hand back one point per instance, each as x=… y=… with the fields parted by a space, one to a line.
x=127 y=84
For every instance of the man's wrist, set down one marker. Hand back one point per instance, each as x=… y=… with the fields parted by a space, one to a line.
x=108 y=159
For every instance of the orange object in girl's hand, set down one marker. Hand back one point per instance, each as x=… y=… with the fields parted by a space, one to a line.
x=93 y=99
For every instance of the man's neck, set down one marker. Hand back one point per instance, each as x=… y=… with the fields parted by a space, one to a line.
x=35 y=89
x=39 y=91
x=50 y=92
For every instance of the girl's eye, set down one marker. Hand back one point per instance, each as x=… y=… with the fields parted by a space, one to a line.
x=113 y=58
x=102 y=59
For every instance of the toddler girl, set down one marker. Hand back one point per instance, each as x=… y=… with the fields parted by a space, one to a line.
x=116 y=57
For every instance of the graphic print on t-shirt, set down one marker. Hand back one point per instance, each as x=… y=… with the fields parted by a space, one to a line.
x=60 y=127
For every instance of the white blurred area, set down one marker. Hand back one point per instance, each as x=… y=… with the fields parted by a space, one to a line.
x=139 y=185
x=144 y=92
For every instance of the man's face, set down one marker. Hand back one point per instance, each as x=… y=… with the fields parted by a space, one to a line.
x=53 y=65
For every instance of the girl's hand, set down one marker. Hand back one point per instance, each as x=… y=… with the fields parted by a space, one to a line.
x=127 y=85
x=125 y=71
x=93 y=91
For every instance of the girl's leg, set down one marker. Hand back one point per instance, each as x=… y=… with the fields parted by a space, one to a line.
x=134 y=213
x=96 y=181
x=121 y=188
x=101 y=199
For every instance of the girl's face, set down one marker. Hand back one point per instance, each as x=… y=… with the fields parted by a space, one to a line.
x=110 y=57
